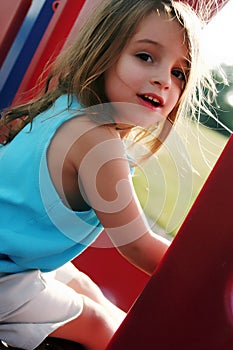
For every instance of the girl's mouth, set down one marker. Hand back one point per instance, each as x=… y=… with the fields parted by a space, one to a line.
x=151 y=101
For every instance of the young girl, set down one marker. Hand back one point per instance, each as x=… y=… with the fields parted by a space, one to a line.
x=65 y=174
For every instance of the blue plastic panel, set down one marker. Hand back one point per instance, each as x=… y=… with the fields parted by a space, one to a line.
x=23 y=49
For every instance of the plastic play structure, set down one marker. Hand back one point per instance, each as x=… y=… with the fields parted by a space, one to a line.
x=188 y=302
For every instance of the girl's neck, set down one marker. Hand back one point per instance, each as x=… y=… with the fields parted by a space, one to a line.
x=123 y=130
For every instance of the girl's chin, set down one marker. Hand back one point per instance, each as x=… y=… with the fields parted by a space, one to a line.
x=146 y=122
x=130 y=115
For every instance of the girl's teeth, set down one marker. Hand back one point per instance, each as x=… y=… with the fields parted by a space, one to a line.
x=152 y=99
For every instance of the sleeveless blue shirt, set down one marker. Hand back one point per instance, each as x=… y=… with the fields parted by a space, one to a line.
x=37 y=231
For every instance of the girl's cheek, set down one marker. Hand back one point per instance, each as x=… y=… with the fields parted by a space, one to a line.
x=129 y=73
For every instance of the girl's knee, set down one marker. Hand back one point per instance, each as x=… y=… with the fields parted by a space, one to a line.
x=93 y=328
x=98 y=317
x=83 y=284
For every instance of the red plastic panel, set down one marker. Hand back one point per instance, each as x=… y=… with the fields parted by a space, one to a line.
x=12 y=14
x=120 y=281
x=188 y=302
x=87 y=8
x=66 y=12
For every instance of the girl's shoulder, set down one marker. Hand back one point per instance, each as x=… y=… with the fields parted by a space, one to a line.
x=81 y=135
x=80 y=125
x=97 y=149
x=81 y=149
x=82 y=140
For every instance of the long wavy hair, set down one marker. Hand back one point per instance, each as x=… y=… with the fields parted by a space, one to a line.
x=80 y=67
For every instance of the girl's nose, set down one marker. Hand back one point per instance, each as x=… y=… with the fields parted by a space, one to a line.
x=163 y=79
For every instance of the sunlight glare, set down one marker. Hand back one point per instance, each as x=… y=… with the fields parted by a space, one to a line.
x=217 y=37
x=229 y=98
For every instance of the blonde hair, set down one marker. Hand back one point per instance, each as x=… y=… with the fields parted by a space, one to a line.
x=79 y=69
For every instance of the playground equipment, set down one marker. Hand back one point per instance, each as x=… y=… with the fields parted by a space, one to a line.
x=188 y=302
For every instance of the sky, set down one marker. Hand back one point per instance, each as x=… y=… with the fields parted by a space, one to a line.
x=217 y=37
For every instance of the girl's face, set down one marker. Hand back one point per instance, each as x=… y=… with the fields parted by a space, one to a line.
x=149 y=76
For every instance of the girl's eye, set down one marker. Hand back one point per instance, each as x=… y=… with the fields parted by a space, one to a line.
x=144 y=57
x=179 y=74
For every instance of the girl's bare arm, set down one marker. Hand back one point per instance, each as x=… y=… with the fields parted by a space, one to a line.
x=107 y=186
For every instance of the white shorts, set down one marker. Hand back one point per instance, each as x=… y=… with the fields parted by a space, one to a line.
x=34 y=304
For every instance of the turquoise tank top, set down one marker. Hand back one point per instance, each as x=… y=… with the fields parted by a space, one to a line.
x=37 y=231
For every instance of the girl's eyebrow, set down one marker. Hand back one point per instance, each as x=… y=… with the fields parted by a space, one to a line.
x=149 y=41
